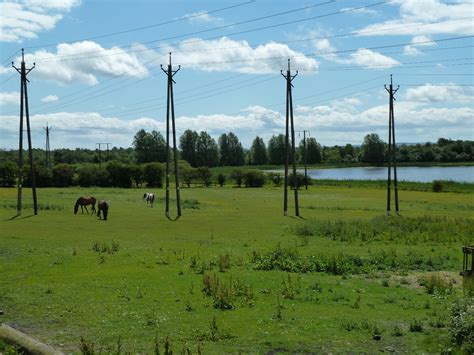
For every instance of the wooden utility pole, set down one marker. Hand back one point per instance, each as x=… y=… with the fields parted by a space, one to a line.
x=24 y=109
x=170 y=73
x=392 y=148
x=47 y=129
x=107 y=152
x=289 y=120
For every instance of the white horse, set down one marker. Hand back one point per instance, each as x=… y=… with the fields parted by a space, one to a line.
x=149 y=197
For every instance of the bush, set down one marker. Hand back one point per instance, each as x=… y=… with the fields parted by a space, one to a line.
x=204 y=174
x=437 y=186
x=7 y=174
x=63 y=175
x=238 y=176
x=221 y=179
x=153 y=174
x=461 y=327
x=187 y=175
x=86 y=175
x=136 y=173
x=300 y=180
x=43 y=177
x=276 y=178
x=120 y=174
x=254 y=178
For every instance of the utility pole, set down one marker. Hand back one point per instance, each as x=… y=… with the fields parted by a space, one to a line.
x=24 y=108
x=289 y=120
x=170 y=73
x=107 y=152
x=47 y=129
x=392 y=148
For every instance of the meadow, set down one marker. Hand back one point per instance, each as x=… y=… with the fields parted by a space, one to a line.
x=235 y=275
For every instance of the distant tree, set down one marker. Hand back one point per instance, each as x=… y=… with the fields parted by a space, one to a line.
x=258 y=152
x=313 y=151
x=373 y=149
x=207 y=151
x=153 y=174
x=87 y=175
x=254 y=178
x=7 y=174
x=187 y=175
x=149 y=147
x=238 y=176
x=63 y=175
x=231 y=150
x=188 y=146
x=276 y=150
x=136 y=174
x=204 y=174
x=221 y=179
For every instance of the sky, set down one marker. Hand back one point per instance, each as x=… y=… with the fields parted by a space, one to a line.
x=97 y=75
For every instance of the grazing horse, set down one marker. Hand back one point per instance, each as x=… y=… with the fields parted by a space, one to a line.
x=149 y=197
x=104 y=207
x=83 y=202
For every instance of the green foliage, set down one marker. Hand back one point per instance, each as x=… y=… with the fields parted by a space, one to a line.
x=231 y=150
x=63 y=175
x=207 y=151
x=409 y=230
x=204 y=174
x=437 y=186
x=254 y=178
x=226 y=294
x=153 y=174
x=373 y=150
x=7 y=174
x=149 y=147
x=437 y=285
x=314 y=153
x=43 y=177
x=258 y=152
x=276 y=178
x=238 y=176
x=221 y=179
x=120 y=174
x=276 y=150
x=300 y=180
x=461 y=326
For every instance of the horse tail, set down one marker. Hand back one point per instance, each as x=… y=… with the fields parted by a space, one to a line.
x=76 y=206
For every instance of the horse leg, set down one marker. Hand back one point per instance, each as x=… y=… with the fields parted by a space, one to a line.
x=86 y=209
x=82 y=209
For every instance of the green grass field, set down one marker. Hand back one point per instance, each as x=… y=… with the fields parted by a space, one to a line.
x=233 y=274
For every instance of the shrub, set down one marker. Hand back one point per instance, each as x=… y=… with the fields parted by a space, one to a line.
x=437 y=186
x=86 y=175
x=221 y=179
x=238 y=176
x=43 y=177
x=7 y=174
x=254 y=178
x=187 y=175
x=153 y=174
x=461 y=327
x=63 y=175
x=276 y=178
x=204 y=174
x=436 y=285
x=300 y=180
x=120 y=174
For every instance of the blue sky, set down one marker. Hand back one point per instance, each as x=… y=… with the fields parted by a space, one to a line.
x=94 y=84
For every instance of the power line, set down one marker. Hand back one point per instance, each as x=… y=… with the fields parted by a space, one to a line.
x=227 y=35
x=148 y=26
x=167 y=46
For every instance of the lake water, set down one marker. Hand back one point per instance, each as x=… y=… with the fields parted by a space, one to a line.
x=406 y=173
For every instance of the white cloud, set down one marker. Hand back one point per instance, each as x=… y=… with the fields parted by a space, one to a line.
x=337 y=122
x=449 y=93
x=418 y=41
x=370 y=59
x=8 y=98
x=50 y=98
x=23 y=20
x=202 y=17
x=54 y=66
x=239 y=56
x=417 y=12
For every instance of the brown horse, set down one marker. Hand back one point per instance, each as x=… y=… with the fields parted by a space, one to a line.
x=83 y=202
x=104 y=207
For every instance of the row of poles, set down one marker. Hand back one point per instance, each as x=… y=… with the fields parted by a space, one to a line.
x=171 y=129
